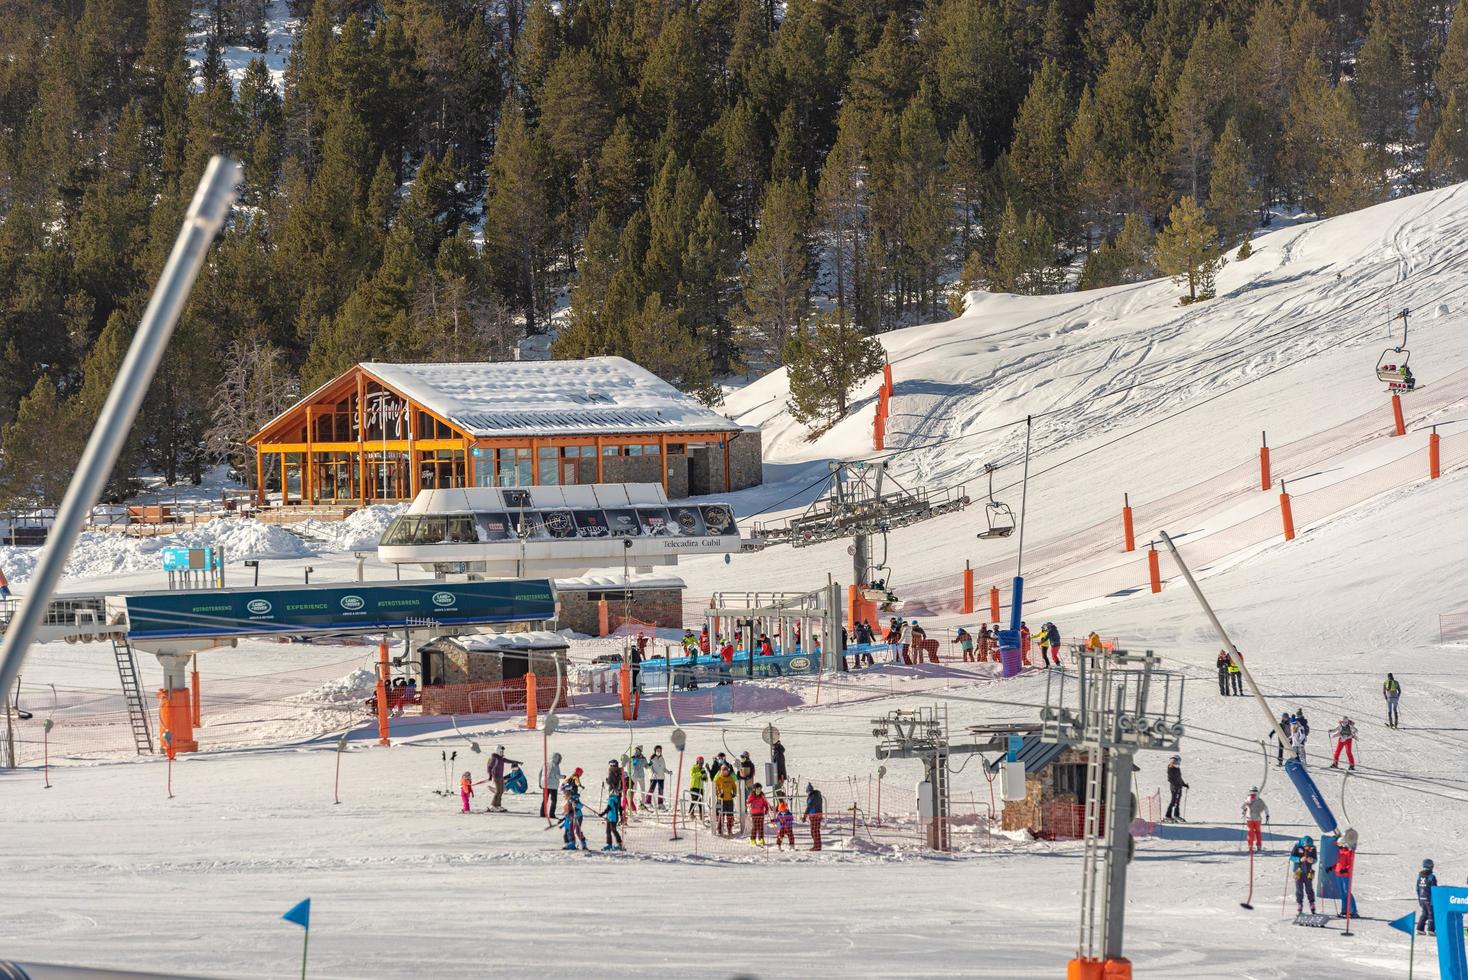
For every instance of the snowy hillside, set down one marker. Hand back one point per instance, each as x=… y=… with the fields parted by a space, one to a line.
x=1130 y=394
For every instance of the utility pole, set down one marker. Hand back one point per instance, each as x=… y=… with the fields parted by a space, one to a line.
x=923 y=734
x=1115 y=714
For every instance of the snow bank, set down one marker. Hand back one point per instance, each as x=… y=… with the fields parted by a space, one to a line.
x=360 y=683
x=99 y=553
x=359 y=532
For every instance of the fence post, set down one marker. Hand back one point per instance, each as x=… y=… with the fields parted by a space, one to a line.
x=1434 y=455
x=994 y=603
x=1154 y=570
x=1264 y=481
x=887 y=377
x=530 y=704
x=602 y=619
x=198 y=709
x=1286 y=514
x=384 y=730
x=1401 y=425
x=968 y=589
x=1129 y=539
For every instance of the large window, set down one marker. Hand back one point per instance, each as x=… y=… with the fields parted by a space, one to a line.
x=336 y=476
x=441 y=469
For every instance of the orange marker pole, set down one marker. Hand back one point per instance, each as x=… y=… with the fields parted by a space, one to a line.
x=994 y=603
x=530 y=701
x=1154 y=570
x=1397 y=415
x=968 y=590
x=1264 y=482
x=198 y=707
x=626 y=692
x=1434 y=455
x=887 y=378
x=603 y=619
x=1129 y=539
x=1286 y=514
x=383 y=726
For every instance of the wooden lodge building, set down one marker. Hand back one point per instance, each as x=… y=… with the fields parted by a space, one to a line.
x=382 y=432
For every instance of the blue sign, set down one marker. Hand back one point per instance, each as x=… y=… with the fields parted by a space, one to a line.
x=335 y=608
x=189 y=559
x=1448 y=908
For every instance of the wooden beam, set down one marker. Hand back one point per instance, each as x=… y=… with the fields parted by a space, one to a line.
x=663 y=455
x=725 y=441
x=308 y=478
x=598 y=460
x=260 y=476
x=361 y=438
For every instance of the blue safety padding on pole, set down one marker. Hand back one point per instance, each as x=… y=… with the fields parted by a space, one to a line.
x=1448 y=906
x=1016 y=603
x=1016 y=742
x=1310 y=793
x=1011 y=661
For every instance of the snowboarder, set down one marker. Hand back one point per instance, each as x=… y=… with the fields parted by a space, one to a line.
x=1235 y=678
x=724 y=790
x=1345 y=735
x=496 y=767
x=1223 y=665
x=550 y=779
x=1254 y=810
x=1391 y=691
x=815 y=811
x=697 y=776
x=1303 y=857
x=659 y=767
x=466 y=789
x=784 y=825
x=777 y=756
x=965 y=643
x=1426 y=882
x=1176 y=785
x=613 y=813
x=758 y=805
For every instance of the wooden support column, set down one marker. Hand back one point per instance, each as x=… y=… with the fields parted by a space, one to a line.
x=260 y=474
x=663 y=455
x=308 y=478
x=727 y=478
x=414 y=484
x=598 y=459
x=534 y=462
x=361 y=438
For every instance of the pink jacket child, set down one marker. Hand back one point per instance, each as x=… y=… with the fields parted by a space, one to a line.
x=466 y=790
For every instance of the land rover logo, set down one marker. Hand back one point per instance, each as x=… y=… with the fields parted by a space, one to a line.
x=799 y=663
x=258 y=607
x=443 y=598
x=351 y=603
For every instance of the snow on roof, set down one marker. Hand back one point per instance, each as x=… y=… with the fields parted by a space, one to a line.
x=633 y=582
x=520 y=398
x=527 y=640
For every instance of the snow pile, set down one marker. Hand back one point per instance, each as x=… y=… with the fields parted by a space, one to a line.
x=359 y=684
x=99 y=553
x=361 y=531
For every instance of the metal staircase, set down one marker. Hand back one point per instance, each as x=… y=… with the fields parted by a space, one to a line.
x=132 y=693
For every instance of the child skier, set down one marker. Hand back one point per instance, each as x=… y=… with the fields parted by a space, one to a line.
x=965 y=644
x=1345 y=735
x=758 y=806
x=659 y=767
x=696 y=777
x=1426 y=882
x=613 y=813
x=466 y=790
x=571 y=816
x=1303 y=857
x=1254 y=809
x=724 y=789
x=784 y=825
x=1298 y=733
x=637 y=773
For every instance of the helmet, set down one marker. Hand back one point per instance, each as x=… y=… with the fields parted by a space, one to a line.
x=1307 y=839
x=1427 y=864
x=1177 y=758
x=1253 y=789
x=500 y=749
x=699 y=759
x=578 y=771
x=744 y=755
x=612 y=763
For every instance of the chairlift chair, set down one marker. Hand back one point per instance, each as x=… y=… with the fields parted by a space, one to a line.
x=1391 y=367
x=996 y=513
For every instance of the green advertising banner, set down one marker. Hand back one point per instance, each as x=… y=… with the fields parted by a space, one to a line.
x=329 y=608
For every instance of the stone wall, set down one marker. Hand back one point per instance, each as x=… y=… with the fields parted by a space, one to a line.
x=746 y=460
x=1031 y=812
x=580 y=611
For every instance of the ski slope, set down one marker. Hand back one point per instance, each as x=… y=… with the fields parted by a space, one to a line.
x=1129 y=393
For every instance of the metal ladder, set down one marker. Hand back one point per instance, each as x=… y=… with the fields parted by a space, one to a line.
x=132 y=693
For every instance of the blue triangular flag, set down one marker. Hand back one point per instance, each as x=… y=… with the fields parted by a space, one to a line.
x=1405 y=923
x=300 y=914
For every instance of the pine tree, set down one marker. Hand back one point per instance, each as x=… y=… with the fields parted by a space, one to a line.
x=1024 y=256
x=1121 y=260
x=776 y=283
x=516 y=218
x=965 y=169
x=1232 y=202
x=976 y=71
x=37 y=449
x=825 y=360
x=658 y=341
x=1036 y=158
x=1447 y=156
x=1382 y=84
x=1452 y=66
x=709 y=284
x=1327 y=160
x=1187 y=250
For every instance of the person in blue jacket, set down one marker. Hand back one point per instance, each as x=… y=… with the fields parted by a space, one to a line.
x=613 y=813
x=1426 y=882
x=1303 y=857
x=571 y=816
